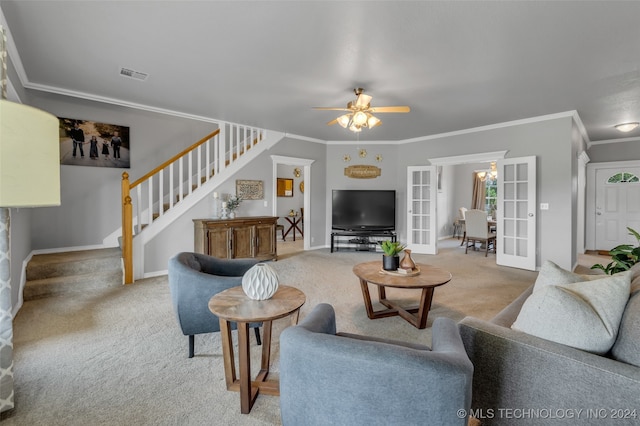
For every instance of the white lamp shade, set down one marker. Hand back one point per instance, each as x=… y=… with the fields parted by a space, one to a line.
x=372 y=121
x=359 y=118
x=29 y=157
x=343 y=120
x=260 y=282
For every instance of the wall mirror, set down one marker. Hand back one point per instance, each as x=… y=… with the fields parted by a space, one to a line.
x=285 y=187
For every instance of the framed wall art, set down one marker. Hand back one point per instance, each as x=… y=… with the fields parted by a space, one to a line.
x=93 y=144
x=250 y=189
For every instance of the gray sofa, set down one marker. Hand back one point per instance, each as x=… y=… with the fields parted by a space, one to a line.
x=522 y=379
x=329 y=378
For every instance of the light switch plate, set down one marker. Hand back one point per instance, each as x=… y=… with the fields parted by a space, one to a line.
x=544 y=206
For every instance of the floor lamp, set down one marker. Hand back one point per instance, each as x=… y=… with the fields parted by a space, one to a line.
x=29 y=177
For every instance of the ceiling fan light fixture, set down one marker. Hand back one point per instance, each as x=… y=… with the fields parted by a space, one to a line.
x=359 y=118
x=343 y=120
x=372 y=121
x=360 y=113
x=626 y=127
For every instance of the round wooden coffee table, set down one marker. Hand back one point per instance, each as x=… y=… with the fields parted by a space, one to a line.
x=233 y=305
x=429 y=278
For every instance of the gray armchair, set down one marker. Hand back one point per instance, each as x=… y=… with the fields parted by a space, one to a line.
x=346 y=379
x=193 y=279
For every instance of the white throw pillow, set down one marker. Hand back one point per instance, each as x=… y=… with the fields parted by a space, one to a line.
x=585 y=315
x=552 y=274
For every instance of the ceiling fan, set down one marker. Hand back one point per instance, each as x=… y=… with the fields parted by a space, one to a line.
x=361 y=112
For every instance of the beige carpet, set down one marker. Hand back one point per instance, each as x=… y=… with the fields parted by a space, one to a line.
x=116 y=356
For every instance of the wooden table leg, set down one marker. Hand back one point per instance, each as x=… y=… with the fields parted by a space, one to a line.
x=295 y=316
x=227 y=354
x=266 y=351
x=367 y=298
x=247 y=394
x=425 y=306
x=381 y=297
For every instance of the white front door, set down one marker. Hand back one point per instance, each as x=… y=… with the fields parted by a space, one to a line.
x=516 y=221
x=421 y=209
x=617 y=206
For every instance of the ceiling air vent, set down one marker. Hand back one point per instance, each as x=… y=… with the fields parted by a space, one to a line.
x=126 y=72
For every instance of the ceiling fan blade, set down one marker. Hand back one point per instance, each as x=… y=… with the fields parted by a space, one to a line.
x=331 y=109
x=363 y=100
x=332 y=122
x=390 y=109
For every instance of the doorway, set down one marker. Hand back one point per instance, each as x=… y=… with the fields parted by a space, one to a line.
x=448 y=170
x=516 y=219
x=613 y=203
x=302 y=184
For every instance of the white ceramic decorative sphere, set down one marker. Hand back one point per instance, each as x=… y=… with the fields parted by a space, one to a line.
x=260 y=282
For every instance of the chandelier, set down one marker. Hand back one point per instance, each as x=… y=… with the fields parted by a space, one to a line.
x=491 y=175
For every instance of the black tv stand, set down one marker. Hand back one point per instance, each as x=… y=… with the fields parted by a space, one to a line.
x=359 y=240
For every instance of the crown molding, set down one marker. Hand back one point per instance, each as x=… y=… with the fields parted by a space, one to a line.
x=606 y=141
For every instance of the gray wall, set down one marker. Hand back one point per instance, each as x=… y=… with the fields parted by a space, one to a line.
x=620 y=151
x=551 y=142
x=91 y=208
x=90 y=196
x=286 y=204
x=390 y=177
x=180 y=235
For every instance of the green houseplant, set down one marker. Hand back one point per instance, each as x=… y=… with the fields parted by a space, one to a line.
x=232 y=204
x=623 y=256
x=390 y=258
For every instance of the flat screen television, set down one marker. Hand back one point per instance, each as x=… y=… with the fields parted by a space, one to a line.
x=363 y=210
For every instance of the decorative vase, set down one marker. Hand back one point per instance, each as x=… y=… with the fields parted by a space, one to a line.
x=407 y=262
x=232 y=214
x=390 y=263
x=260 y=282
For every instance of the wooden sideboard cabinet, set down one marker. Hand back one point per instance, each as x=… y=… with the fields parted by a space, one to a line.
x=237 y=238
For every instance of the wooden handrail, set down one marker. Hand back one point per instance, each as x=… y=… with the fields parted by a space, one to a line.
x=174 y=158
x=127 y=230
x=127 y=207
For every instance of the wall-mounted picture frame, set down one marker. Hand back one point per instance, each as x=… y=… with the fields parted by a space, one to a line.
x=94 y=144
x=250 y=189
x=284 y=187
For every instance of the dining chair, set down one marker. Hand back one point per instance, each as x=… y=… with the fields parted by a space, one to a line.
x=477 y=230
x=462 y=211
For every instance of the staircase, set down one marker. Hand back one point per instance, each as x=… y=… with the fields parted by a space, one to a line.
x=154 y=201
x=77 y=271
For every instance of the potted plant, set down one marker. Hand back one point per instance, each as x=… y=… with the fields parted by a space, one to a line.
x=232 y=204
x=623 y=256
x=390 y=258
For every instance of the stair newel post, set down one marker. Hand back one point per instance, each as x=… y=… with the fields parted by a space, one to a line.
x=127 y=230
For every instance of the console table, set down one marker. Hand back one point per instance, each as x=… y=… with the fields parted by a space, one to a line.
x=237 y=238
x=359 y=240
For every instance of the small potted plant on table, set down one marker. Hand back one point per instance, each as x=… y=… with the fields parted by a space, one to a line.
x=390 y=258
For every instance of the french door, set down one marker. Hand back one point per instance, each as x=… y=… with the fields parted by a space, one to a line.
x=421 y=209
x=516 y=222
